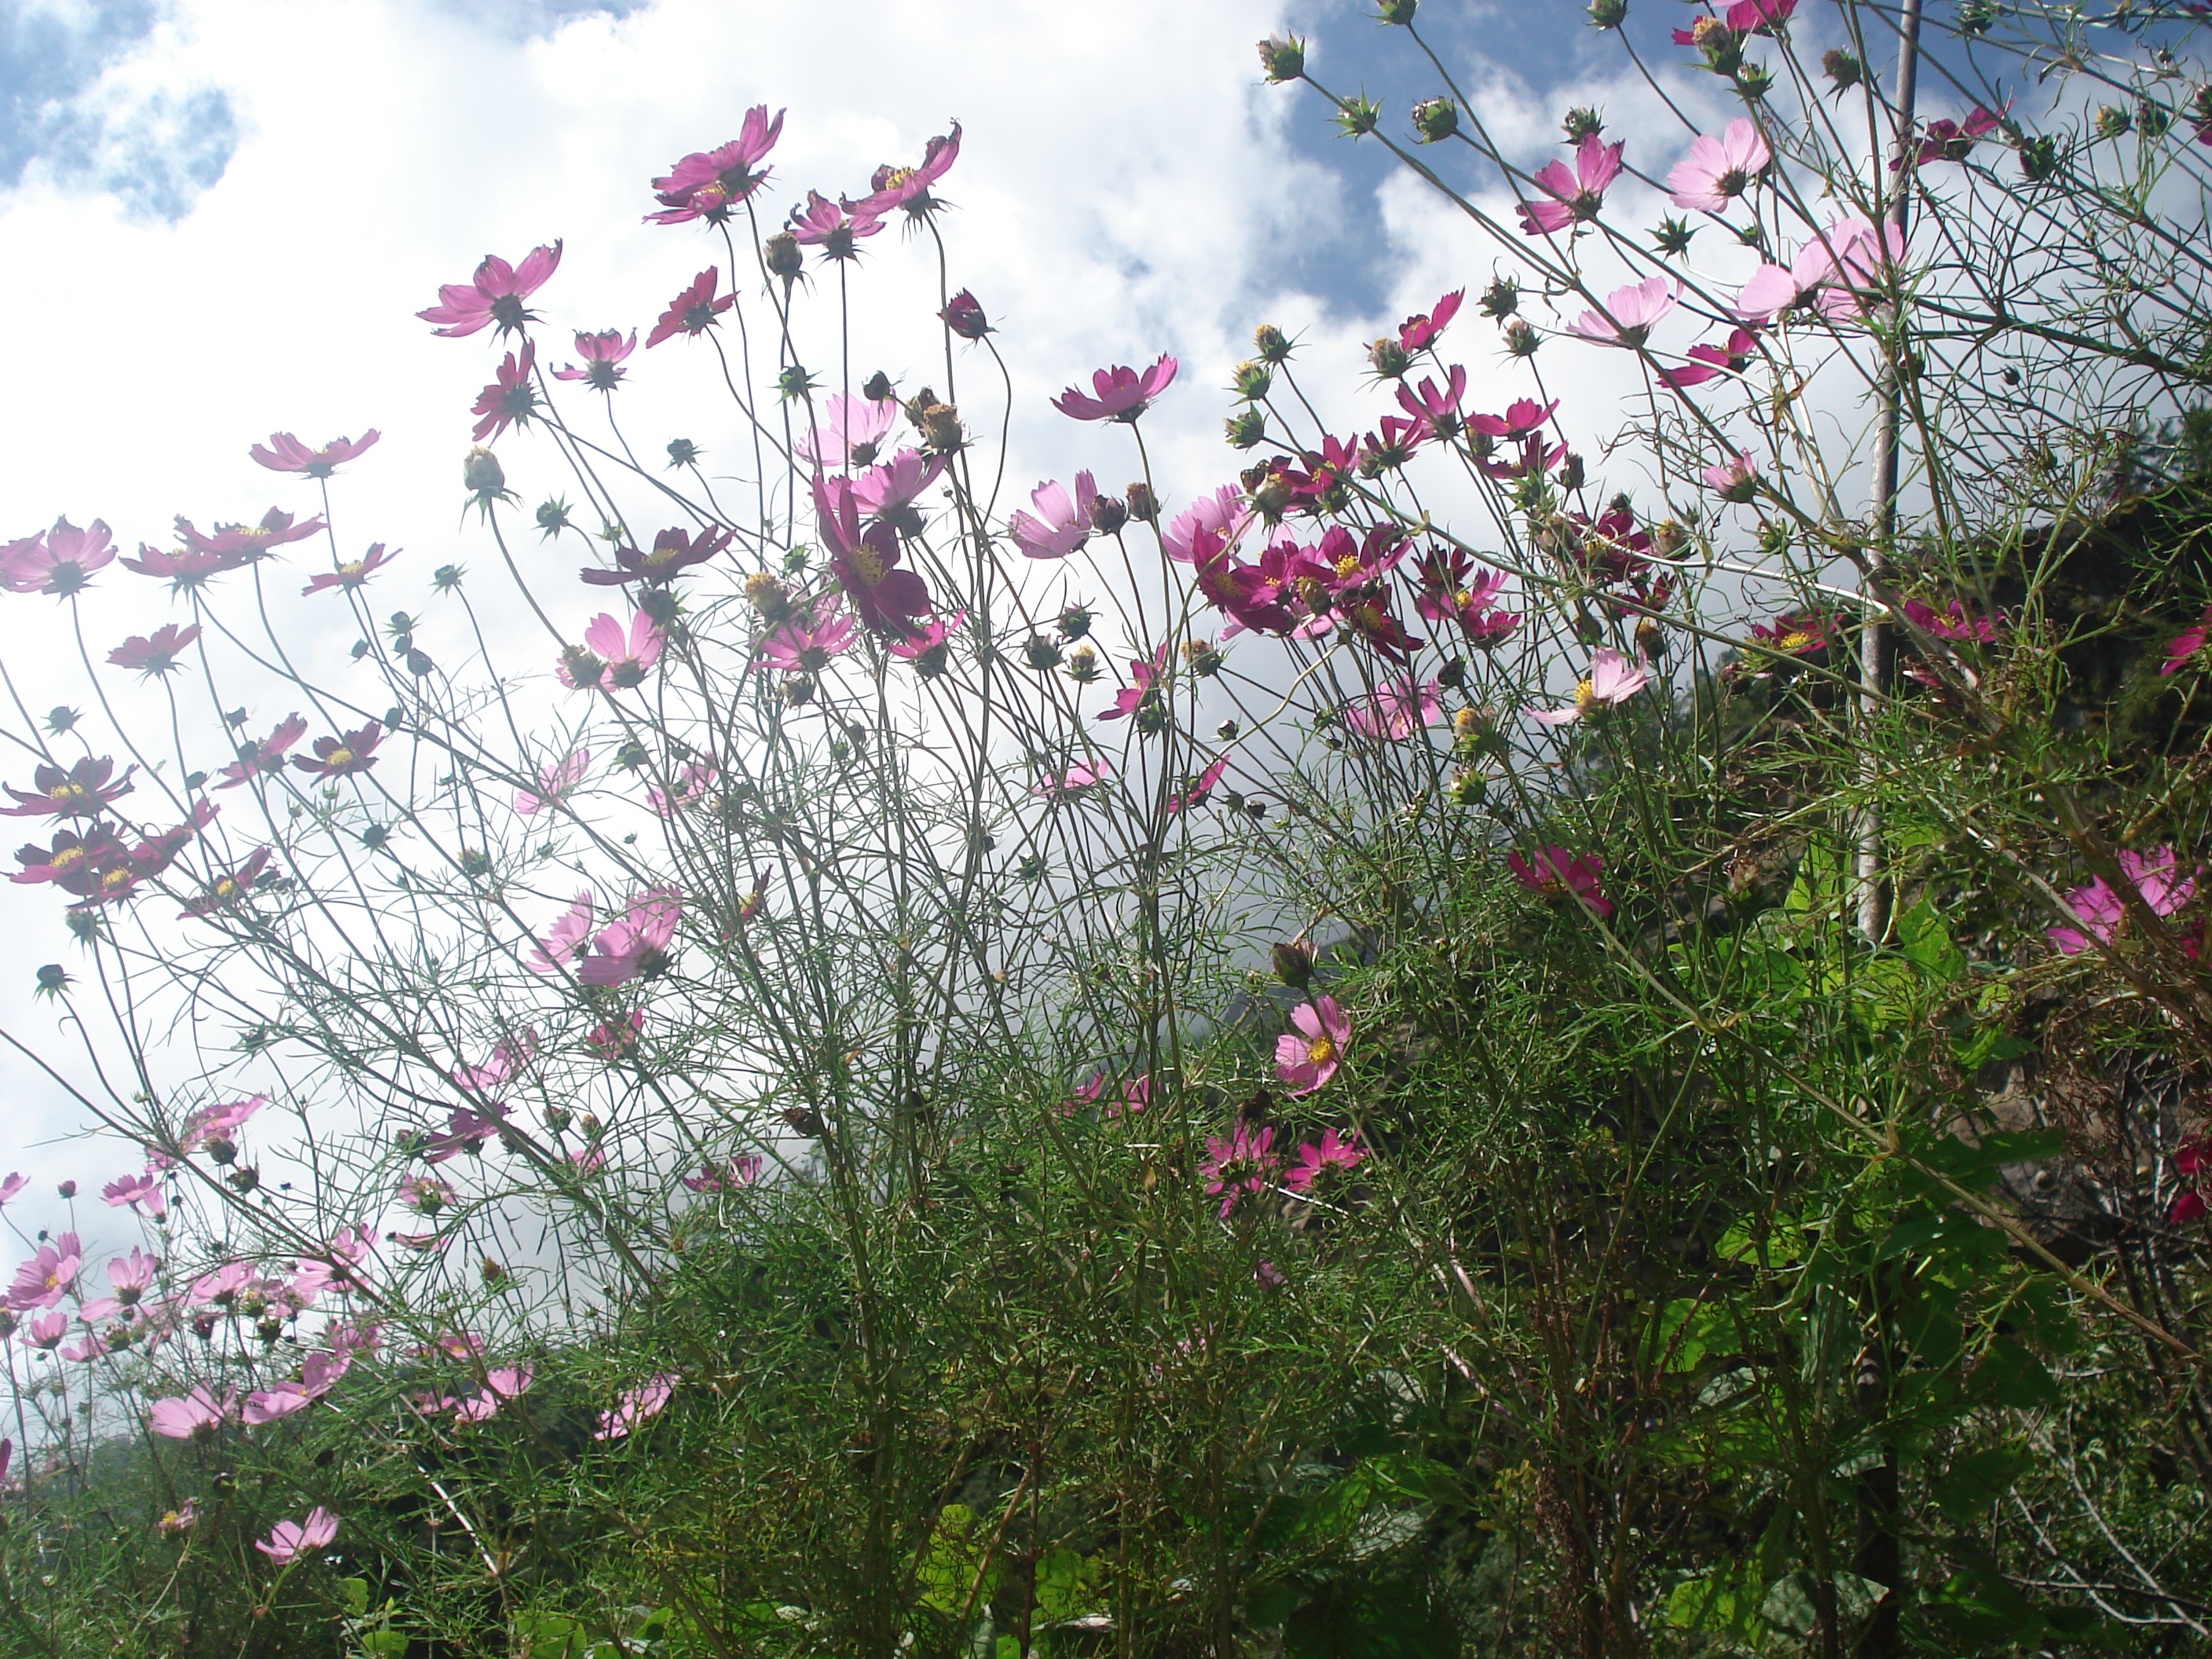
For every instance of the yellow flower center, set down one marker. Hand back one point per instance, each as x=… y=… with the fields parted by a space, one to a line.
x=68 y=794
x=868 y=565
x=66 y=857
x=1346 y=565
x=115 y=880
x=1321 y=1051
x=1796 y=640
x=896 y=177
x=351 y=572
x=1586 y=697
x=339 y=756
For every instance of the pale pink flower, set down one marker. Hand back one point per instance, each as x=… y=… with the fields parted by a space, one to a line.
x=1123 y=393
x=1556 y=874
x=1308 y=1058
x=289 y=1539
x=557 y=947
x=1574 y=195
x=197 y=1416
x=275 y=1404
x=890 y=485
x=14 y=1184
x=627 y=655
x=809 y=644
x=1720 y=169
x=45 y=1278
x=1630 y=313
x=1066 y=786
x=211 y=1122
x=850 y=433
x=130 y=1275
x=1061 y=523
x=142 y=1191
x=1735 y=479
x=1208 y=525
x=1398 y=709
x=286 y=454
x=500 y=1387
x=1612 y=680
x=47 y=1330
x=692 y=784
x=554 y=783
x=636 y=943
x=1848 y=255
x=637 y=1404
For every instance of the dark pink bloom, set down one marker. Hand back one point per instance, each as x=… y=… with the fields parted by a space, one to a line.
x=510 y=398
x=289 y=1539
x=344 y=756
x=2187 y=643
x=1758 y=16
x=1062 y=522
x=1308 y=1057
x=964 y=315
x=832 y=228
x=1392 y=447
x=1707 y=362
x=1574 y=195
x=1123 y=393
x=1954 y=141
x=466 y=1131
x=61 y=562
x=1318 y=1164
x=183 y=570
x=883 y=489
x=1419 y=331
x=2157 y=877
x=603 y=354
x=1733 y=479
x=1144 y=676
x=1556 y=874
x=1240 y=1164
x=554 y=783
x=1954 y=622
x=286 y=454
x=1522 y=416
x=694 y=310
x=637 y=943
x=809 y=644
x=672 y=553
x=707 y=184
x=255 y=759
x=908 y=187
x=725 y=1177
x=1720 y=169
x=1396 y=711
x=612 y=1039
x=1798 y=634
x=82 y=792
x=156 y=654
x=1197 y=790
x=240 y=544
x=929 y=647
x=493 y=295
x=638 y=1403
x=887 y=599
x=1435 y=411
x=353 y=572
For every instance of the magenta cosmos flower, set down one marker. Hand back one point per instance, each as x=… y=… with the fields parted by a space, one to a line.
x=1435 y=409
x=236 y=546
x=887 y=599
x=1612 y=680
x=61 y=561
x=154 y=653
x=1733 y=479
x=493 y=295
x=1320 y=1163
x=831 y=227
x=45 y=1278
x=256 y=759
x=1707 y=362
x=82 y=792
x=725 y=1177
x=2098 y=908
x=286 y=454
x=1307 y=1058
x=672 y=553
x=1556 y=874
x=707 y=184
x=1061 y=523
x=1575 y=195
x=1240 y=1164
x=808 y=645
x=603 y=354
x=353 y=572
x=342 y=757
x=289 y=1539
x=893 y=186
x=1123 y=393
x=1630 y=313
x=510 y=398
x=694 y=310
x=1067 y=786
x=1954 y=622
x=1718 y=170
x=611 y=658
x=636 y=943
x=1397 y=710
x=2187 y=643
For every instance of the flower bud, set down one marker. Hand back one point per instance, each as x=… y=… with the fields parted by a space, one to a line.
x=1436 y=120
x=222 y=1149
x=1387 y=358
x=964 y=315
x=1294 y=963
x=1227 y=731
x=1651 y=639
x=1246 y=429
x=799 y=688
x=918 y=405
x=1040 y=652
x=1282 y=56
x=1271 y=497
x=1840 y=67
x=1202 y=657
x=1270 y=343
x=1753 y=82
x=1082 y=664
x=1570 y=472
x=1522 y=339
x=67 y=1190
x=804 y=1122
x=1607 y=14
x=682 y=452
x=1452 y=674
x=1075 y=620
x=1251 y=380
x=1144 y=505
x=1108 y=514
x=876 y=387
x=1582 y=122
x=1357 y=117
x=481 y=472
x=2152 y=119
x=2113 y=121
x=1397 y=12
x=2038 y=158
x=1465 y=787
x=940 y=427
x=783 y=254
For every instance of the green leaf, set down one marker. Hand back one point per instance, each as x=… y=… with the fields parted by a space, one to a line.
x=356 y=1592
x=1926 y=944
x=1978 y=1479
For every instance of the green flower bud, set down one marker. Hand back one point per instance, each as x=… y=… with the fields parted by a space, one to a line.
x=1436 y=120
x=1245 y=429
x=1251 y=380
x=1284 y=59
x=1270 y=343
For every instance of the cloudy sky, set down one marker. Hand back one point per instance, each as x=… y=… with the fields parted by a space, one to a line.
x=221 y=216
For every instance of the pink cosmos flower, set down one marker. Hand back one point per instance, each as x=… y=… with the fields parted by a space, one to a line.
x=1954 y=622
x=425 y=1194
x=510 y=398
x=272 y=1404
x=175 y=1522
x=1196 y=792
x=603 y=354
x=1397 y=710
x=1556 y=874
x=1062 y=522
x=289 y=1539
x=509 y=1057
x=1123 y=393
x=928 y=645
x=1630 y=313
x=1575 y=195
x=672 y=553
x=2192 y=1161
x=1204 y=528
x=887 y=599
x=691 y=785
x=1611 y=681
x=236 y=546
x=557 y=947
x=1523 y=417
x=725 y=1177
x=1317 y=1163
x=1420 y=330
x=636 y=943
x=637 y=1404
x=883 y=489
x=1826 y=274
x=964 y=315
x=197 y=1416
x=183 y=570
x=47 y=1330
x=624 y=656
x=853 y=428
x=1720 y=169
x=554 y=783
x=2187 y=643
x=256 y=759
x=342 y=757
x=707 y=184
x=1143 y=688
x=501 y=1386
x=908 y=187
x=1240 y=1164
x=1954 y=141
x=2157 y=877
x=61 y=561
x=1308 y=1058
x=1707 y=362
x=45 y=1278
x=493 y=295
x=694 y=310
x=1735 y=479
x=286 y=454
x=155 y=654
x=1067 y=786
x=83 y=791
x=1434 y=411
x=129 y=1276
x=353 y=573
x=809 y=644
x=14 y=1184
x=1797 y=633
x=611 y=1040
x=216 y=1122
x=831 y=226
x=227 y=887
